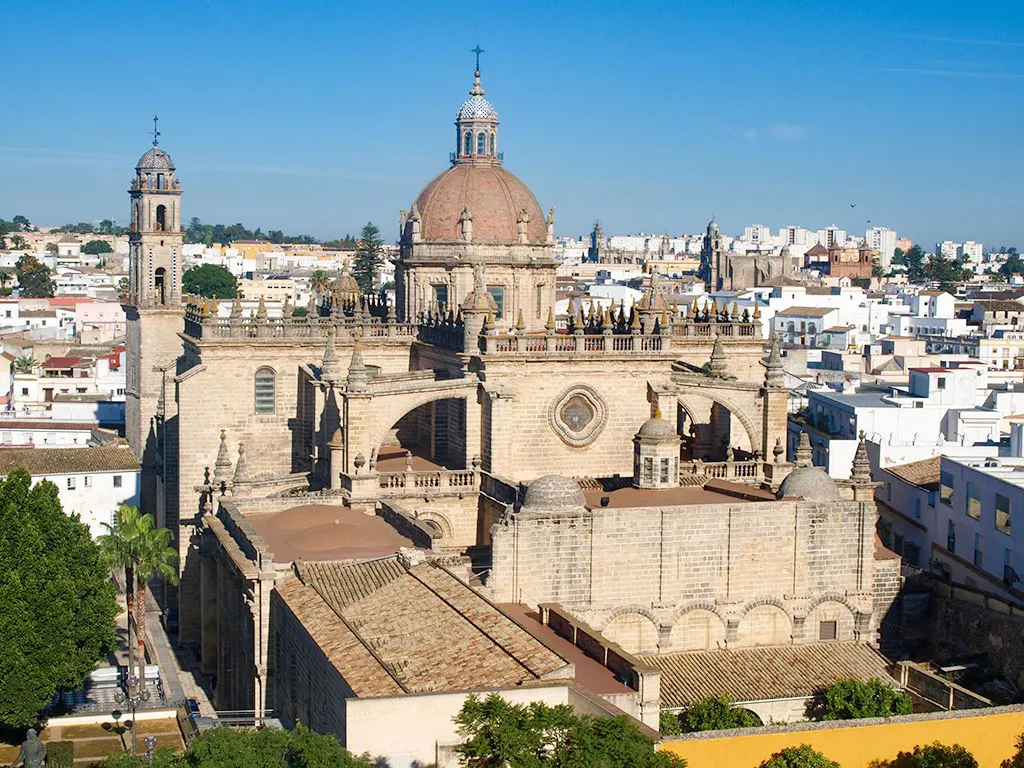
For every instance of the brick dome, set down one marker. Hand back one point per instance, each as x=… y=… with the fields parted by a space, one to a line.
x=494 y=197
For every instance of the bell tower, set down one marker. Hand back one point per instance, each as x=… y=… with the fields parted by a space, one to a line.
x=155 y=233
x=155 y=317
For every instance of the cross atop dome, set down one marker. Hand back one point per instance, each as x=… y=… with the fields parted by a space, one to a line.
x=476 y=140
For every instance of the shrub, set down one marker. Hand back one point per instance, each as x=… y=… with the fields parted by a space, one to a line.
x=803 y=756
x=668 y=724
x=935 y=756
x=60 y=754
x=850 y=699
x=716 y=713
x=1017 y=760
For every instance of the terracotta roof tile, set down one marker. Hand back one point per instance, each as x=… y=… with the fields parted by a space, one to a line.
x=763 y=673
x=427 y=630
x=68 y=461
x=922 y=473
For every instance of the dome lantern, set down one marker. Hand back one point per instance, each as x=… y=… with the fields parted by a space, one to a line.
x=476 y=127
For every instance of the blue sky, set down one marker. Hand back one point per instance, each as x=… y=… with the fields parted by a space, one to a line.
x=318 y=116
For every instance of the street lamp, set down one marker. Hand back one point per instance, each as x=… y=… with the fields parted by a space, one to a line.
x=133 y=696
x=150 y=743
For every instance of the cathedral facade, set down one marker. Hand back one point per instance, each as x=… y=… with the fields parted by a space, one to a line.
x=435 y=411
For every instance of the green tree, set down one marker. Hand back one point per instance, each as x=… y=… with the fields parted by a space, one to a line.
x=33 y=278
x=24 y=364
x=803 y=756
x=498 y=734
x=1014 y=265
x=58 y=604
x=18 y=243
x=913 y=259
x=122 y=285
x=52 y=248
x=1017 y=760
x=716 y=713
x=23 y=224
x=898 y=256
x=669 y=724
x=137 y=546
x=248 y=748
x=935 y=756
x=850 y=699
x=368 y=258
x=946 y=272
x=211 y=281
x=94 y=247
x=320 y=281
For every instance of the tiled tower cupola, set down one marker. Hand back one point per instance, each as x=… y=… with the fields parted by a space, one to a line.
x=476 y=135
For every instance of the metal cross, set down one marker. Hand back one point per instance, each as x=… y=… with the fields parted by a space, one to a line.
x=478 y=50
x=156 y=133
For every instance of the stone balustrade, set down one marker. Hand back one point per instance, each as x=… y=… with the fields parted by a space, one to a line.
x=740 y=471
x=415 y=483
x=208 y=327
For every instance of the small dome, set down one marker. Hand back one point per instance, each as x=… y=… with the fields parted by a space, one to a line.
x=554 y=492
x=809 y=483
x=477 y=108
x=345 y=284
x=657 y=428
x=155 y=160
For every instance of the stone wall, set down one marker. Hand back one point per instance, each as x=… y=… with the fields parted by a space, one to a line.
x=962 y=628
x=755 y=573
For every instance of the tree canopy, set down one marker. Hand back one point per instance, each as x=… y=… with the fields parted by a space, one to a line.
x=97 y=246
x=1013 y=265
x=33 y=278
x=849 y=699
x=498 y=733
x=58 y=601
x=946 y=272
x=211 y=281
x=1017 y=759
x=368 y=258
x=803 y=756
x=913 y=259
x=197 y=232
x=247 y=748
x=935 y=756
x=716 y=713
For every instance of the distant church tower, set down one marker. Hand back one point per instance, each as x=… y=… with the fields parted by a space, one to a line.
x=711 y=257
x=154 y=313
x=598 y=244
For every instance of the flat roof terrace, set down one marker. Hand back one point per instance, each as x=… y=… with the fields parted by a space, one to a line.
x=326 y=532
x=620 y=495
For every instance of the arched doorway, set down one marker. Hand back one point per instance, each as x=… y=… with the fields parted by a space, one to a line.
x=433 y=433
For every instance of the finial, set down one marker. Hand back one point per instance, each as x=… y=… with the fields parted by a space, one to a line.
x=520 y=323
x=156 y=133
x=478 y=50
x=549 y=325
x=804 y=452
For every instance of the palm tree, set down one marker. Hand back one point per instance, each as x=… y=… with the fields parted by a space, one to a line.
x=320 y=281
x=154 y=559
x=118 y=546
x=135 y=544
x=24 y=364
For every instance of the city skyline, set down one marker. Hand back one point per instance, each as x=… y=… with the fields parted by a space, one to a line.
x=904 y=112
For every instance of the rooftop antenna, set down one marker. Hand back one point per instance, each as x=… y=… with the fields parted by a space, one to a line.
x=478 y=50
x=156 y=133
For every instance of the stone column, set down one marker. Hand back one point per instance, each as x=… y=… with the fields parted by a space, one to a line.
x=210 y=614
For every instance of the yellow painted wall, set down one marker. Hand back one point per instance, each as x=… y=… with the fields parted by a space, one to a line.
x=989 y=737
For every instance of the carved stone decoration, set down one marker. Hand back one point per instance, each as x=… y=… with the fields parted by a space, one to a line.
x=578 y=415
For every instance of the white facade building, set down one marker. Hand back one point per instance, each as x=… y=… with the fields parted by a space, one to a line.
x=92 y=482
x=882 y=240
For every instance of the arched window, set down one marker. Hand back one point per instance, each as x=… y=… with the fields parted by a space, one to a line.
x=481 y=143
x=161 y=218
x=160 y=283
x=266 y=390
x=492 y=145
x=467 y=144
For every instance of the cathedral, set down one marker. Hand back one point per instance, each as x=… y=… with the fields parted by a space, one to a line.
x=457 y=416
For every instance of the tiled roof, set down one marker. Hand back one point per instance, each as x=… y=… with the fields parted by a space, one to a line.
x=1000 y=305
x=68 y=461
x=763 y=673
x=62 y=362
x=805 y=312
x=922 y=473
x=428 y=631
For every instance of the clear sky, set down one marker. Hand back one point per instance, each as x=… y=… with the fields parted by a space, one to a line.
x=318 y=116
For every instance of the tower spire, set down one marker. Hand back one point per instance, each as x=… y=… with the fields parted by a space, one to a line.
x=156 y=133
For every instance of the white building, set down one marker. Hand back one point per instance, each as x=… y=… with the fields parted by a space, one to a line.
x=972 y=253
x=960 y=517
x=45 y=433
x=91 y=482
x=831 y=236
x=882 y=240
x=945 y=409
